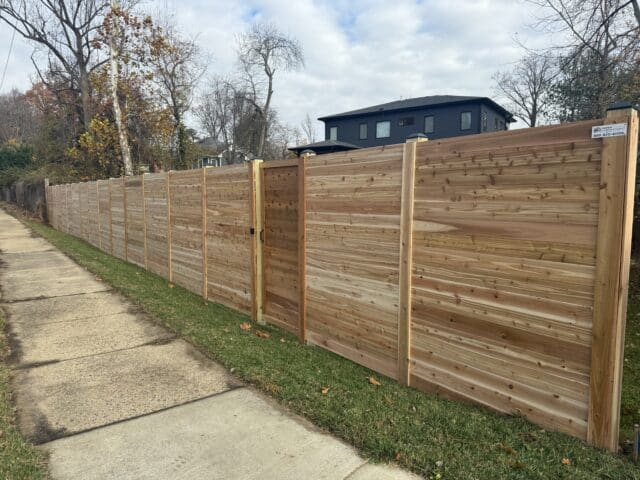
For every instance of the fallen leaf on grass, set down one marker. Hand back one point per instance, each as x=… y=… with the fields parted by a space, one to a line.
x=566 y=461
x=282 y=340
x=245 y=326
x=261 y=334
x=170 y=285
x=398 y=456
x=325 y=390
x=439 y=463
x=373 y=381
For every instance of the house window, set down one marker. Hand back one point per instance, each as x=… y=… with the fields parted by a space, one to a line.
x=405 y=122
x=383 y=129
x=465 y=121
x=428 y=124
x=495 y=124
x=485 y=122
x=333 y=133
x=363 y=131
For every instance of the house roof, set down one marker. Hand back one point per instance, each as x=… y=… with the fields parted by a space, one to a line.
x=419 y=102
x=325 y=146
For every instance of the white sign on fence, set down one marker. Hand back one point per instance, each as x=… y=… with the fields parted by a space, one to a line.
x=612 y=130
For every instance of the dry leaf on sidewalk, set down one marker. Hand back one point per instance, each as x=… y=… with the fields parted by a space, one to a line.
x=245 y=326
x=373 y=381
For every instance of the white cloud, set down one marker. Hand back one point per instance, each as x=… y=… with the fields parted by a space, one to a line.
x=358 y=52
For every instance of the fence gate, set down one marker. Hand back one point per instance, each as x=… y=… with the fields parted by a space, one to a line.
x=280 y=249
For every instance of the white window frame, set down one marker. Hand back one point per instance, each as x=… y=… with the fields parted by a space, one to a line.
x=331 y=133
x=470 y=120
x=433 y=124
x=379 y=124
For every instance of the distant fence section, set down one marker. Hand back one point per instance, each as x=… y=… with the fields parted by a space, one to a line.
x=489 y=268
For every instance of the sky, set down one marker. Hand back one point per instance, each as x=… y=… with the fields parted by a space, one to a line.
x=357 y=52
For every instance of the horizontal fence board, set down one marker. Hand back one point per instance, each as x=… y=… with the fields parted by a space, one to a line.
x=186 y=229
x=503 y=253
x=135 y=220
x=228 y=236
x=156 y=220
x=117 y=218
x=352 y=239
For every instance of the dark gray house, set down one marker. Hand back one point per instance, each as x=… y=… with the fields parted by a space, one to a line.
x=437 y=116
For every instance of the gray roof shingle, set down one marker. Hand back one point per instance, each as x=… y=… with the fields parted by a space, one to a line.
x=417 y=102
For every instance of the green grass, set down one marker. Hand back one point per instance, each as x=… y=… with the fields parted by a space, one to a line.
x=630 y=409
x=18 y=458
x=429 y=435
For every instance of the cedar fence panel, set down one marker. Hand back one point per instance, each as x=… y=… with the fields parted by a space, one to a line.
x=104 y=214
x=229 y=223
x=280 y=249
x=186 y=229
x=489 y=268
x=503 y=272
x=118 y=235
x=352 y=238
x=93 y=217
x=135 y=220
x=156 y=221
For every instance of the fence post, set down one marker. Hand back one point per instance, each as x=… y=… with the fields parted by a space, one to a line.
x=99 y=220
x=406 y=257
x=204 y=233
x=110 y=221
x=255 y=186
x=124 y=210
x=302 y=250
x=144 y=223
x=169 y=225
x=613 y=247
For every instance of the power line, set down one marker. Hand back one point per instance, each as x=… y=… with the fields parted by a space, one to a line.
x=4 y=72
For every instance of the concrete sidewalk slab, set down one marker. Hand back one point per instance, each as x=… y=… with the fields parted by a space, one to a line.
x=62 y=309
x=18 y=290
x=75 y=395
x=235 y=435
x=36 y=343
x=43 y=259
x=17 y=244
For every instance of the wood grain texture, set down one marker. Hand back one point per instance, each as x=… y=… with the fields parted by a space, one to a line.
x=615 y=225
x=104 y=215
x=352 y=247
x=186 y=229
x=118 y=244
x=157 y=224
x=280 y=249
x=503 y=276
x=228 y=204
x=135 y=220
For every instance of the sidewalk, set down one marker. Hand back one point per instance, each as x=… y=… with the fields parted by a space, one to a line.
x=110 y=394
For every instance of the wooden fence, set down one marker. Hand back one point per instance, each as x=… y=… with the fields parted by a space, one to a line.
x=489 y=268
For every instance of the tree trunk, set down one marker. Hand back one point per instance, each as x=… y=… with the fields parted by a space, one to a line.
x=117 y=112
x=265 y=117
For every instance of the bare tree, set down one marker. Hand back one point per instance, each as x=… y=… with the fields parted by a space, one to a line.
x=65 y=29
x=177 y=69
x=262 y=51
x=527 y=88
x=607 y=32
x=19 y=120
x=308 y=129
